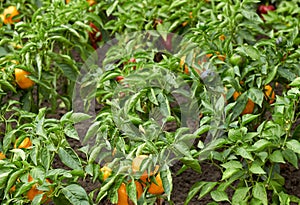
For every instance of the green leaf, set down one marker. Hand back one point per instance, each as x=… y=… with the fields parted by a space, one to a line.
x=4 y=174
x=8 y=85
x=228 y=173
x=203 y=129
x=237 y=134
x=152 y=97
x=232 y=164
x=277 y=156
x=244 y=153
x=59 y=172
x=92 y=131
x=38 y=60
x=61 y=200
x=25 y=187
x=12 y=180
x=66 y=64
x=295 y=83
x=69 y=157
x=112 y=8
x=206 y=188
x=271 y=75
x=71 y=132
x=131 y=191
x=294 y=145
x=45 y=157
x=69 y=70
x=177 y=3
x=79 y=117
x=71 y=30
x=252 y=16
x=95 y=152
x=60 y=39
x=291 y=157
x=40 y=121
x=240 y=194
x=295 y=199
x=239 y=105
x=286 y=73
x=249 y=51
x=182 y=148
x=193 y=191
x=260 y=145
x=104 y=188
x=8 y=139
x=259 y=192
x=192 y=163
x=76 y=194
x=256 y=95
x=256 y=169
x=37 y=199
x=284 y=198
x=248 y=118
x=164 y=106
x=217 y=195
x=166 y=177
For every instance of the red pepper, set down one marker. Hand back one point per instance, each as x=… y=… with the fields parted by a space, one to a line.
x=119 y=78
x=264 y=9
x=168 y=42
x=95 y=35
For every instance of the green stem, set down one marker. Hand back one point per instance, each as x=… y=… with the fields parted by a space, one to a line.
x=289 y=125
x=270 y=173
